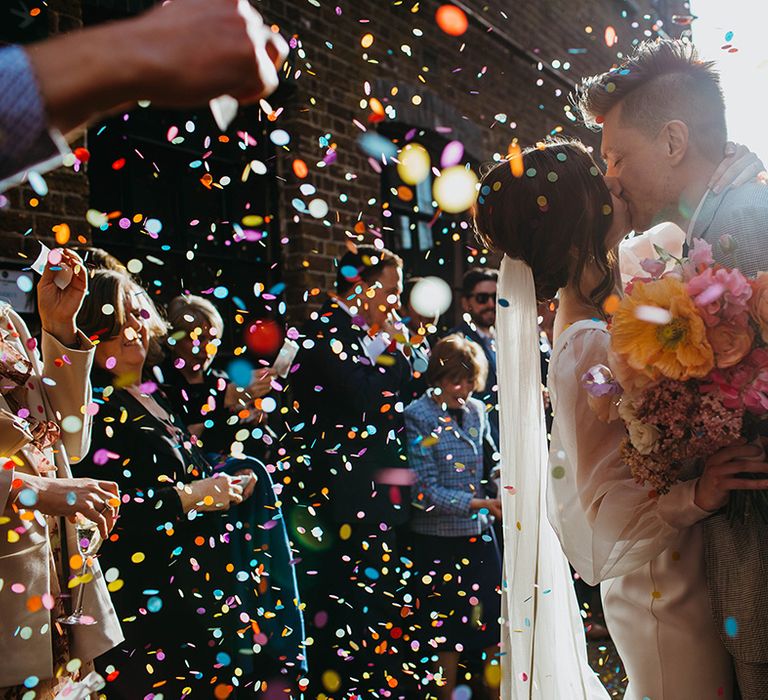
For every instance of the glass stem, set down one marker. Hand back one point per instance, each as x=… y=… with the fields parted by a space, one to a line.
x=78 y=610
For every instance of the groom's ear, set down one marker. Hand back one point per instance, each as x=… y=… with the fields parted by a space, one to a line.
x=676 y=135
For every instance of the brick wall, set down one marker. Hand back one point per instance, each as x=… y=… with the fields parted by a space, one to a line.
x=28 y=216
x=463 y=82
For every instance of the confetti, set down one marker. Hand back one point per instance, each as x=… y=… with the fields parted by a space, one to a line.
x=451 y=20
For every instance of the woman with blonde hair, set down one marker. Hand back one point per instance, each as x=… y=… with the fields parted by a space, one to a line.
x=212 y=406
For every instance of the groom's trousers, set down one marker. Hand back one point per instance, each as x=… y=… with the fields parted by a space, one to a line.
x=736 y=556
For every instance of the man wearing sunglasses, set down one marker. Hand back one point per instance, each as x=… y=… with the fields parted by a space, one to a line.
x=478 y=301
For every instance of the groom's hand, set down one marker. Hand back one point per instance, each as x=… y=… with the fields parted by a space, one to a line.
x=720 y=476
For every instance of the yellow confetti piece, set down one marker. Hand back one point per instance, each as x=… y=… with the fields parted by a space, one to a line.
x=331 y=681
x=138 y=557
x=115 y=585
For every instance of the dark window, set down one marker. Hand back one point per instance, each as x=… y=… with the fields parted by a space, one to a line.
x=431 y=242
x=22 y=22
x=196 y=207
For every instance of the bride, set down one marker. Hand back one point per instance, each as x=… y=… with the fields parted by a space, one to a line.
x=558 y=225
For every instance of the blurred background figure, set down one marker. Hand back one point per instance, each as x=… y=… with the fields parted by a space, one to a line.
x=456 y=557
x=418 y=331
x=45 y=424
x=207 y=576
x=478 y=300
x=212 y=407
x=349 y=391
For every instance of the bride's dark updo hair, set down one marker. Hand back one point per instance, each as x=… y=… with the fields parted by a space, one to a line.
x=554 y=216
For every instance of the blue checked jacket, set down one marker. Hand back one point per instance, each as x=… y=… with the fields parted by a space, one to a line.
x=448 y=461
x=25 y=139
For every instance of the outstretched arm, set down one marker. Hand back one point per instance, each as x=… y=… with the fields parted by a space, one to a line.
x=180 y=54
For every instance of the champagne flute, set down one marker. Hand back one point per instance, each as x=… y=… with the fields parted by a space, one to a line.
x=88 y=542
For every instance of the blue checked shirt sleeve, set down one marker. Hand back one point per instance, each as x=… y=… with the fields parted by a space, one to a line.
x=25 y=138
x=423 y=461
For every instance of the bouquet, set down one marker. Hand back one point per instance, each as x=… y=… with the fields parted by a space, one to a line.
x=688 y=368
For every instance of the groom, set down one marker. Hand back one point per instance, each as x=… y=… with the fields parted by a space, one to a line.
x=662 y=116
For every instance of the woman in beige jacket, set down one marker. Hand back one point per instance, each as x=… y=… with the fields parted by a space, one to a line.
x=45 y=423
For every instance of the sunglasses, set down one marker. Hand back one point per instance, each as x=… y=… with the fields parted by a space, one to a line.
x=482 y=297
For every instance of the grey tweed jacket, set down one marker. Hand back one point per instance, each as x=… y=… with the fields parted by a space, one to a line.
x=737 y=555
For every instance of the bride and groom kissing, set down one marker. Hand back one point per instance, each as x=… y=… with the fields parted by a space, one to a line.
x=685 y=591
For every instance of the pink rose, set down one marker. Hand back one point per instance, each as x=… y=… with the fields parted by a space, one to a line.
x=701 y=253
x=720 y=294
x=758 y=304
x=744 y=386
x=731 y=342
x=655 y=268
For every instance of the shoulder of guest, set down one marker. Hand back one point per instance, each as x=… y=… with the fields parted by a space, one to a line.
x=419 y=407
x=462 y=328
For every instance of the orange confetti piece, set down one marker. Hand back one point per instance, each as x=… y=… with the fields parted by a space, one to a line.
x=451 y=20
x=611 y=304
x=61 y=233
x=515 y=157
x=405 y=193
x=222 y=691
x=300 y=168
x=34 y=603
x=611 y=38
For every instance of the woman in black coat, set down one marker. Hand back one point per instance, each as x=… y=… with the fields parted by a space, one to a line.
x=198 y=563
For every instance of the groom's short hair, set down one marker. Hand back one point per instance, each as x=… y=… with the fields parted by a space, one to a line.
x=661 y=81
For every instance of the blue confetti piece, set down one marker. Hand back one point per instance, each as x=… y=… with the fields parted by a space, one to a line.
x=731 y=626
x=154 y=604
x=349 y=272
x=503 y=303
x=376 y=145
x=240 y=372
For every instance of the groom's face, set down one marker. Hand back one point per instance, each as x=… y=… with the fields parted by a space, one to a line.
x=637 y=161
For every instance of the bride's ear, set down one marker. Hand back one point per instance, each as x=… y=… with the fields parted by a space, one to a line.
x=676 y=136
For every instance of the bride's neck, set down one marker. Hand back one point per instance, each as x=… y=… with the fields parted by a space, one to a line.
x=572 y=306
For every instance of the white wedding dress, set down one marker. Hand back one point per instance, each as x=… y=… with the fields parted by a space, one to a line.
x=647 y=554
